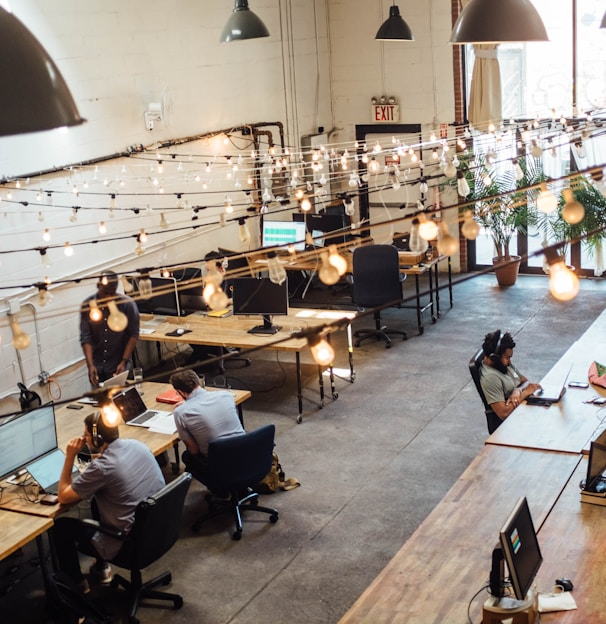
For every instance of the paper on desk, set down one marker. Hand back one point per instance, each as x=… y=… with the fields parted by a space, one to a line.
x=163 y=424
x=563 y=601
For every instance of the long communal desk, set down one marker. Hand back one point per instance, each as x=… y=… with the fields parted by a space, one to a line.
x=19 y=529
x=70 y=424
x=232 y=331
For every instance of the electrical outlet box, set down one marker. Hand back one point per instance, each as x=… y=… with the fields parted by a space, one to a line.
x=14 y=306
x=43 y=378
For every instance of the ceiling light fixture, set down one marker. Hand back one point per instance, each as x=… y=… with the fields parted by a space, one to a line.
x=498 y=21
x=243 y=24
x=37 y=97
x=394 y=27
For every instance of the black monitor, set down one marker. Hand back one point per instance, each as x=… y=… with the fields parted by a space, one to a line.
x=189 y=285
x=26 y=438
x=164 y=297
x=276 y=233
x=260 y=296
x=596 y=466
x=519 y=548
x=325 y=223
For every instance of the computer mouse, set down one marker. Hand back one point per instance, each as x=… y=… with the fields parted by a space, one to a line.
x=180 y=332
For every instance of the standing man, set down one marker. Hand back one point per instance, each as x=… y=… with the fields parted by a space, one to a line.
x=107 y=352
x=121 y=475
x=202 y=417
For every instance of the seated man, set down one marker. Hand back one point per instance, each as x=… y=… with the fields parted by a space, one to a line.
x=121 y=475
x=503 y=385
x=202 y=417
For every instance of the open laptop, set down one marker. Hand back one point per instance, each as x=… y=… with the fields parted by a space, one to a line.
x=135 y=412
x=550 y=393
x=46 y=470
x=116 y=380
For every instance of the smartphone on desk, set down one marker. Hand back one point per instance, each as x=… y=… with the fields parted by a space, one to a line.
x=578 y=384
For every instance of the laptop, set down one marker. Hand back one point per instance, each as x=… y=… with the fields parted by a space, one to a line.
x=596 y=467
x=116 y=380
x=46 y=470
x=134 y=411
x=550 y=393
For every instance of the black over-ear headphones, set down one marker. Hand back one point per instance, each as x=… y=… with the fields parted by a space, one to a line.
x=495 y=356
x=96 y=438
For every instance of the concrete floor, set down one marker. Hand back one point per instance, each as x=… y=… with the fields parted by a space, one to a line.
x=372 y=464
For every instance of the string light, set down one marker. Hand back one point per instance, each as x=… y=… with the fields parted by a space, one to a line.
x=110 y=414
x=462 y=185
x=573 y=211
x=102 y=228
x=337 y=260
x=117 y=321
x=95 y=314
x=163 y=221
x=145 y=285
x=68 y=250
x=328 y=273
x=448 y=245
x=243 y=231
x=21 y=340
x=563 y=282
x=321 y=350
x=415 y=242
x=428 y=228
x=46 y=235
x=44 y=297
x=277 y=273
x=546 y=200
x=470 y=228
x=305 y=204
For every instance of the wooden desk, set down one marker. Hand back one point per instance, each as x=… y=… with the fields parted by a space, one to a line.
x=572 y=541
x=232 y=331
x=19 y=529
x=448 y=558
x=70 y=424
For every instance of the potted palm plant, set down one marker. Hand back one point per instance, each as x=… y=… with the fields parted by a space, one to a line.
x=502 y=208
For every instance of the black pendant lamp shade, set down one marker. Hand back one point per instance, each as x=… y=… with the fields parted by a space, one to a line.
x=243 y=24
x=499 y=21
x=394 y=27
x=35 y=96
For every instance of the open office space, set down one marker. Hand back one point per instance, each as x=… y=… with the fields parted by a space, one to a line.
x=192 y=144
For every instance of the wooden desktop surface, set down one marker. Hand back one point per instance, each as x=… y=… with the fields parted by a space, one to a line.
x=447 y=560
x=70 y=424
x=571 y=424
x=19 y=529
x=573 y=542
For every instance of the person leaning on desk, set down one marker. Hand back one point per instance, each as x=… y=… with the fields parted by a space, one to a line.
x=121 y=474
x=504 y=386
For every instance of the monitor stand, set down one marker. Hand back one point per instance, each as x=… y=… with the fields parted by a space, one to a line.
x=510 y=610
x=266 y=328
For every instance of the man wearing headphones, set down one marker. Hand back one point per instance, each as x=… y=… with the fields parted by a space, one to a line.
x=107 y=352
x=121 y=474
x=503 y=384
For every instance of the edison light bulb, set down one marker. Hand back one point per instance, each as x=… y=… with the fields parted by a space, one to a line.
x=328 y=273
x=462 y=185
x=305 y=204
x=111 y=415
x=68 y=250
x=126 y=284
x=349 y=207
x=563 y=283
x=448 y=245
x=416 y=243
x=243 y=231
x=277 y=273
x=337 y=260
x=208 y=291
x=321 y=350
x=145 y=287
x=102 y=228
x=428 y=228
x=46 y=236
x=21 y=340
x=470 y=228
x=546 y=200
x=218 y=300
x=44 y=297
x=117 y=321
x=95 y=314
x=450 y=171
x=573 y=211
x=518 y=172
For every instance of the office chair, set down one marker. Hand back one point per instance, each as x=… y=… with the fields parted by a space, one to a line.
x=492 y=420
x=154 y=532
x=235 y=465
x=376 y=281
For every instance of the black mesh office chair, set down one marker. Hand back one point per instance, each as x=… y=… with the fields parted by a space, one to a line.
x=235 y=465
x=155 y=530
x=492 y=420
x=376 y=281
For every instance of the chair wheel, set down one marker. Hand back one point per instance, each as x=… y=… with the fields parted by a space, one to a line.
x=178 y=602
x=273 y=518
x=237 y=536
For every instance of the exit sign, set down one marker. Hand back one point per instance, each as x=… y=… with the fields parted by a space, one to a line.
x=385 y=113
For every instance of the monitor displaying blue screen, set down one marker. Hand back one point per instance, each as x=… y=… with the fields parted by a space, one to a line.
x=26 y=438
x=283 y=233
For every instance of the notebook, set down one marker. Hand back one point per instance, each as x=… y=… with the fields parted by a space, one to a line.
x=134 y=411
x=46 y=470
x=550 y=393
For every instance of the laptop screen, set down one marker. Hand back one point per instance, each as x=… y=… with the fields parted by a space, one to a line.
x=129 y=403
x=47 y=470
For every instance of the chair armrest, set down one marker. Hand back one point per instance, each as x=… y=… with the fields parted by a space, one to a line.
x=95 y=524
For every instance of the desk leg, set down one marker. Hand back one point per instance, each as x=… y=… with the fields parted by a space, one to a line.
x=176 y=463
x=431 y=297
x=331 y=375
x=299 y=387
x=240 y=414
x=419 y=312
x=450 y=280
x=352 y=372
x=321 y=384
x=437 y=290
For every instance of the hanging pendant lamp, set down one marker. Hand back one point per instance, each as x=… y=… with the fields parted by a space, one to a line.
x=499 y=21
x=394 y=28
x=35 y=95
x=243 y=24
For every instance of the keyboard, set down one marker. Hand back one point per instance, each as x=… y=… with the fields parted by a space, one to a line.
x=143 y=418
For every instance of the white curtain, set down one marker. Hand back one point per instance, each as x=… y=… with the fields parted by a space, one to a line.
x=485 y=93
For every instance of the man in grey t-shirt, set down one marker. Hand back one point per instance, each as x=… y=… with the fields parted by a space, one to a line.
x=202 y=417
x=121 y=475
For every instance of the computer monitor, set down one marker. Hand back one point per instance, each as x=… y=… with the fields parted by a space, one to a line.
x=596 y=466
x=260 y=296
x=325 y=223
x=26 y=438
x=164 y=298
x=519 y=548
x=190 y=285
x=277 y=233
